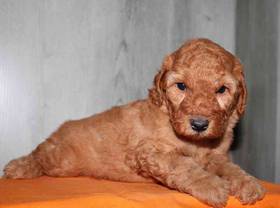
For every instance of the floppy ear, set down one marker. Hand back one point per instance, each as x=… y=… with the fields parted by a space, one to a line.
x=156 y=92
x=242 y=98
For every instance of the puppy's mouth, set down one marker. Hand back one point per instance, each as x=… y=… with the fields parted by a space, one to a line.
x=203 y=136
x=198 y=137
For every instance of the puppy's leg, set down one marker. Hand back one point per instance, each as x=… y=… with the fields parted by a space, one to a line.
x=244 y=186
x=182 y=173
x=23 y=167
x=59 y=155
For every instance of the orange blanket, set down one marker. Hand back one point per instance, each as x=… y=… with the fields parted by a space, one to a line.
x=89 y=193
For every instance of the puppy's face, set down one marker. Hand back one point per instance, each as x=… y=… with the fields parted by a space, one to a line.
x=200 y=88
x=200 y=98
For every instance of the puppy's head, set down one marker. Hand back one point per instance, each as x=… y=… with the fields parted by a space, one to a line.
x=200 y=86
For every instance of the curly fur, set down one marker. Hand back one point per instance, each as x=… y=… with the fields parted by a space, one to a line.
x=152 y=139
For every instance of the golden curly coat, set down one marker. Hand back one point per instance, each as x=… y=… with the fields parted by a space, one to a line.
x=178 y=136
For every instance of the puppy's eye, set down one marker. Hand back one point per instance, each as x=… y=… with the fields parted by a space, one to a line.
x=222 y=89
x=181 y=86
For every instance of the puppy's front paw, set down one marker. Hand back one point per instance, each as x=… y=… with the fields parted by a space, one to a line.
x=247 y=190
x=211 y=190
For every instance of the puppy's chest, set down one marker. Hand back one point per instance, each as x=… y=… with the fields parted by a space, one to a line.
x=196 y=152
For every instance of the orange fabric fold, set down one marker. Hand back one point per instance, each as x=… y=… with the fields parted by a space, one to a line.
x=88 y=192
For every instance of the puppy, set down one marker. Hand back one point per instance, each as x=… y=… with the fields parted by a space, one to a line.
x=179 y=136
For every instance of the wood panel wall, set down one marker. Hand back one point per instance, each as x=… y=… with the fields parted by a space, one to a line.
x=257 y=46
x=68 y=59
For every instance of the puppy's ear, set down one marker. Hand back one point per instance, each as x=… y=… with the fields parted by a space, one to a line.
x=242 y=98
x=156 y=93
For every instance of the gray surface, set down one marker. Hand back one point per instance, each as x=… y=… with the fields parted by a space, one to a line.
x=277 y=161
x=256 y=44
x=68 y=59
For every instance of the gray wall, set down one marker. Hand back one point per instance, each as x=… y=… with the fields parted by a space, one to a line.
x=277 y=146
x=257 y=146
x=69 y=59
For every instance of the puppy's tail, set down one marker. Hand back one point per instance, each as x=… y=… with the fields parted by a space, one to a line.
x=23 y=167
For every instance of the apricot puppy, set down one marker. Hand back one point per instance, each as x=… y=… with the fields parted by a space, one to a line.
x=178 y=136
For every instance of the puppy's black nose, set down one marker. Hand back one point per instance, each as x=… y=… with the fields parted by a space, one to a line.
x=199 y=124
